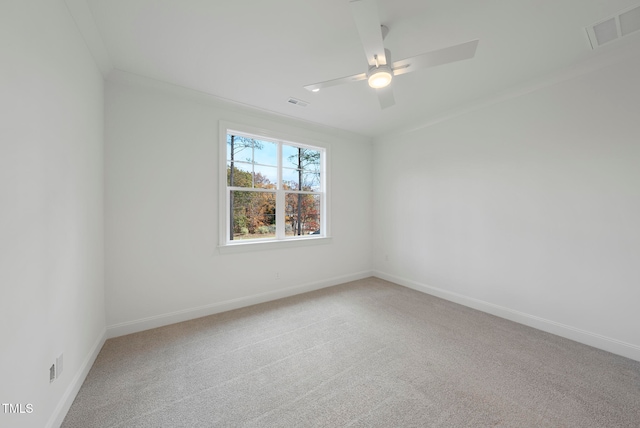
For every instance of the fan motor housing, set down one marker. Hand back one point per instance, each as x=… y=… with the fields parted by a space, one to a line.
x=379 y=76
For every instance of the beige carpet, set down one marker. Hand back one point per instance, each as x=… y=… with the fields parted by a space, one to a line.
x=364 y=354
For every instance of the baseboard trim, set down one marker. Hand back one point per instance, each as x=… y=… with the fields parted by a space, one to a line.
x=588 y=338
x=70 y=394
x=136 y=326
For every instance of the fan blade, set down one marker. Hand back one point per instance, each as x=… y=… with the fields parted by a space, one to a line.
x=434 y=58
x=317 y=86
x=385 y=96
x=365 y=14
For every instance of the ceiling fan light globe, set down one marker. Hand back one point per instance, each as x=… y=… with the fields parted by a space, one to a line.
x=379 y=77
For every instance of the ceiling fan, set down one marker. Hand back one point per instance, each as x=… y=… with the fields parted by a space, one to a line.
x=381 y=70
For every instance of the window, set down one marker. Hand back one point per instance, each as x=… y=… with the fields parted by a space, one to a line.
x=274 y=189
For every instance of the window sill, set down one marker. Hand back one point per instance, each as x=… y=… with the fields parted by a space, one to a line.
x=241 y=247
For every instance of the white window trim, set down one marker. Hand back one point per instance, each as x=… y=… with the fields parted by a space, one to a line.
x=227 y=246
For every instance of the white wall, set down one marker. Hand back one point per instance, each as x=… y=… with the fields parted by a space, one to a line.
x=162 y=262
x=51 y=212
x=527 y=209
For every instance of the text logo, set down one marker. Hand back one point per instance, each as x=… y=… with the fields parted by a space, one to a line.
x=17 y=408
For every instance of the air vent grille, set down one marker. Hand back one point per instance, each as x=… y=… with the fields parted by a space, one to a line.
x=606 y=31
x=630 y=21
x=614 y=27
x=298 y=102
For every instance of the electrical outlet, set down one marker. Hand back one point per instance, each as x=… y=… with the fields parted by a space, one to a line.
x=59 y=365
x=277 y=275
x=52 y=373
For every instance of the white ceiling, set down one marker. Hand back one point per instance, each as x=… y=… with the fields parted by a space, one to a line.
x=260 y=53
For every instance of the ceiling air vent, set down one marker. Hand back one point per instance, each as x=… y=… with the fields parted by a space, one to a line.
x=614 y=27
x=298 y=102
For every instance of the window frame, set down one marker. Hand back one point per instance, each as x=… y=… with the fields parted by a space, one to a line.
x=280 y=240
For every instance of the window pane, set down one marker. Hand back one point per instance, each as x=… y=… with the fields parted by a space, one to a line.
x=245 y=149
x=240 y=176
x=311 y=182
x=302 y=214
x=310 y=161
x=290 y=178
x=300 y=157
x=265 y=153
x=240 y=148
x=251 y=175
x=265 y=177
x=254 y=215
x=301 y=169
x=289 y=156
